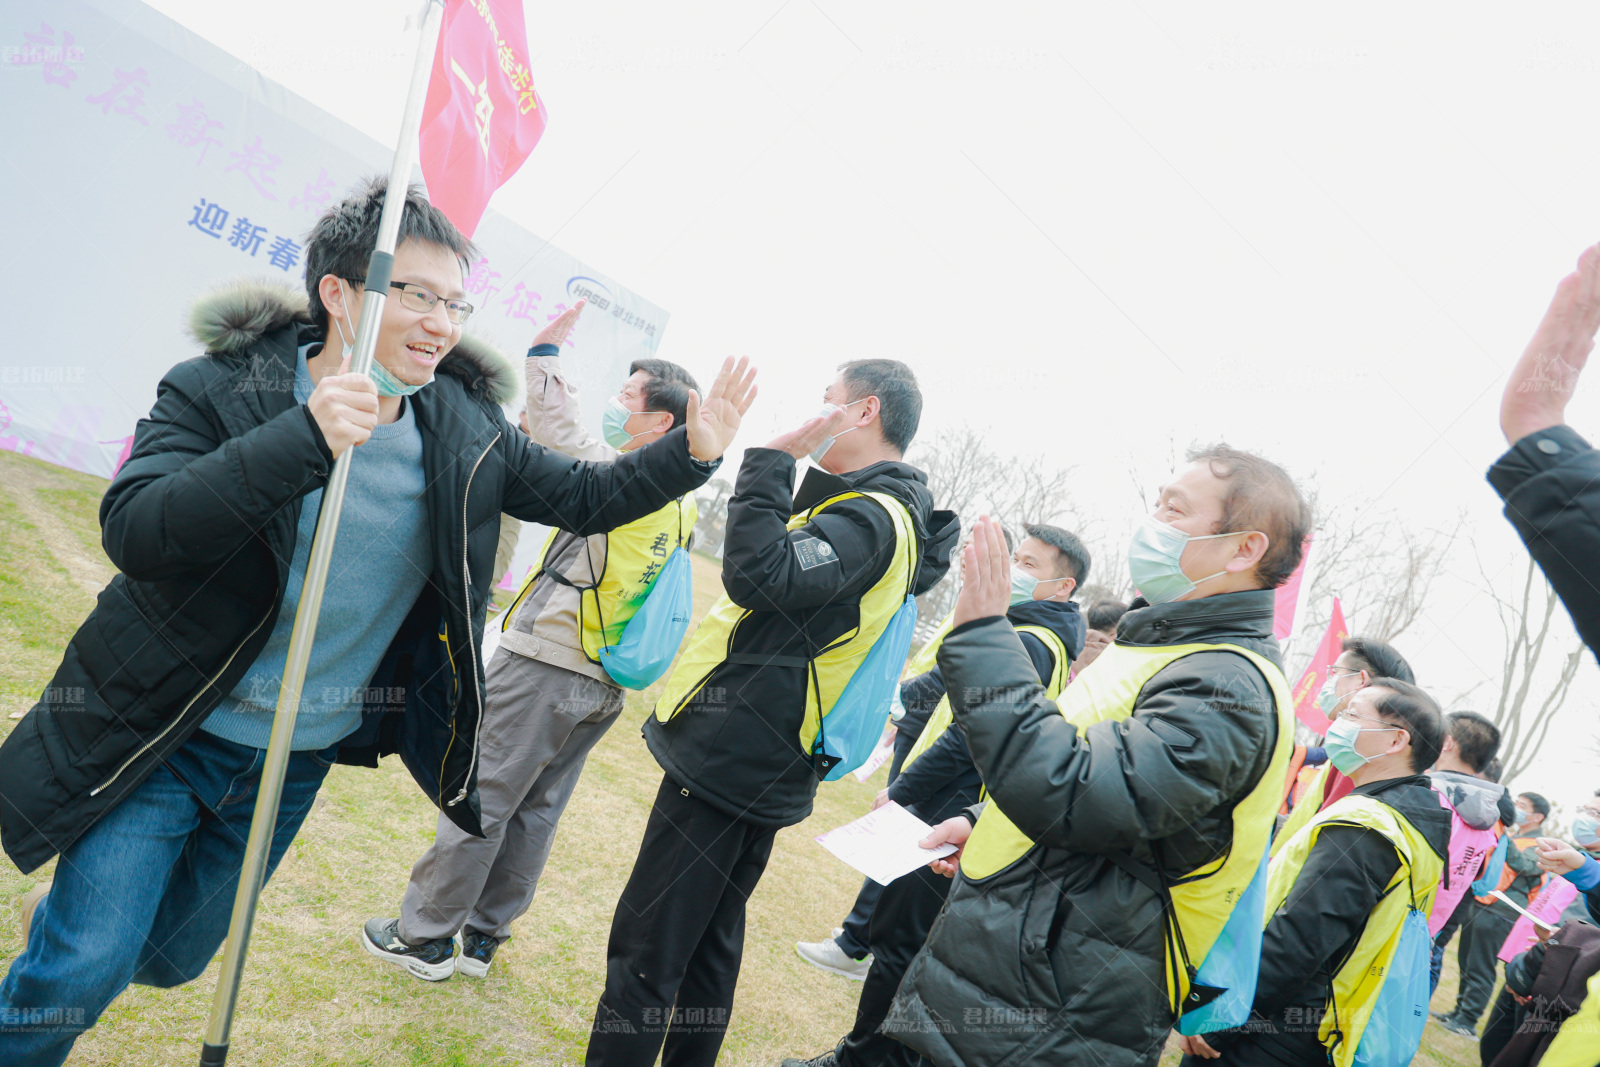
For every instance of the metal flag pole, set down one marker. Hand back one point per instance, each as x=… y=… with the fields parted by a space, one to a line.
x=380 y=269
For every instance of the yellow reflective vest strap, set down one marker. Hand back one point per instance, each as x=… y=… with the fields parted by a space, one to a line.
x=832 y=667
x=927 y=657
x=941 y=718
x=634 y=555
x=1356 y=985
x=527 y=583
x=1577 y=1043
x=1302 y=813
x=1202 y=899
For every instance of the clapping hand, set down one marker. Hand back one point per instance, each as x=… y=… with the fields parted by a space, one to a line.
x=986 y=574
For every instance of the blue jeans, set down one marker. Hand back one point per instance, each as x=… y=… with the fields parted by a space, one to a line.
x=102 y=925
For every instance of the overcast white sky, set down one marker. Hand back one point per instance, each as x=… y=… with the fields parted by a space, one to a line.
x=1091 y=229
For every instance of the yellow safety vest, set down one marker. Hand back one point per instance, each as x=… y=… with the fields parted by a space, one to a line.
x=1356 y=985
x=832 y=667
x=635 y=554
x=927 y=657
x=1203 y=899
x=1301 y=815
x=1577 y=1043
x=942 y=716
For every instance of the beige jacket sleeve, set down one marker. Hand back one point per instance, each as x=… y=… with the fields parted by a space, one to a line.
x=554 y=415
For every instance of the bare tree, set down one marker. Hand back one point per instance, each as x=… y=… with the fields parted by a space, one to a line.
x=1525 y=620
x=967 y=476
x=712 y=526
x=1380 y=568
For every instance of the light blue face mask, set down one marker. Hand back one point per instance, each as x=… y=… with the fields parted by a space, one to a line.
x=1023 y=584
x=1340 y=744
x=614 y=424
x=388 y=384
x=1586 y=830
x=1155 y=560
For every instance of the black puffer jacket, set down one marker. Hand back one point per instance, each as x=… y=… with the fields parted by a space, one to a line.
x=738 y=747
x=943 y=780
x=1060 y=960
x=201 y=522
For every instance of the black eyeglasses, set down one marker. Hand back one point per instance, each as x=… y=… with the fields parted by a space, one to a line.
x=420 y=298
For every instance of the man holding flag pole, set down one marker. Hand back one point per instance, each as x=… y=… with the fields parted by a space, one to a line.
x=222 y=525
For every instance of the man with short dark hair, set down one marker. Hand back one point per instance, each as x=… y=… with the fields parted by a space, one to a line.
x=209 y=523
x=1339 y=891
x=1478 y=805
x=812 y=579
x=549 y=700
x=1102 y=616
x=1149 y=789
x=1360 y=660
x=938 y=781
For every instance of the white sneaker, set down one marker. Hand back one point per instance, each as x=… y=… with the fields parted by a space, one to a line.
x=830 y=957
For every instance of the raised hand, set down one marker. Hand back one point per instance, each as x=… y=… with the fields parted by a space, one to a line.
x=713 y=422
x=345 y=407
x=1544 y=378
x=560 y=327
x=986 y=574
x=811 y=433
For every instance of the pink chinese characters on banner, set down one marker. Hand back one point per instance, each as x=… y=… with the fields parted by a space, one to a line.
x=482 y=115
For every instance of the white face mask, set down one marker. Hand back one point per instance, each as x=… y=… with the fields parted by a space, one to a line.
x=827 y=442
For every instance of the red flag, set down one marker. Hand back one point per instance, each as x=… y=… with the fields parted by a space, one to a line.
x=1310 y=683
x=482 y=116
x=1287 y=596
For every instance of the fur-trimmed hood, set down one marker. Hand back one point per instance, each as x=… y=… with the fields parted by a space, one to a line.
x=231 y=319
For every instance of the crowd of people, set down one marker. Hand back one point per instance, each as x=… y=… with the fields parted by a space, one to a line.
x=1149 y=852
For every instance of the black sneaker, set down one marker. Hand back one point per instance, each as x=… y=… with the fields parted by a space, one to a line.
x=477 y=950
x=827 y=1059
x=432 y=961
x=1460 y=1027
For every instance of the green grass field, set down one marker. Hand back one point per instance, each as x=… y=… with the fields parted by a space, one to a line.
x=312 y=996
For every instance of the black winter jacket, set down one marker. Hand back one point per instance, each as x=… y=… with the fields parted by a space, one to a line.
x=738 y=747
x=1310 y=936
x=1059 y=960
x=943 y=780
x=201 y=523
x=1550 y=482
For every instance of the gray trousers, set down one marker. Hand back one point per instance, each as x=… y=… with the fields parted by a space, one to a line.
x=539 y=723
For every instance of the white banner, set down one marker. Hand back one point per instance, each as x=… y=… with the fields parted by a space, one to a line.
x=143 y=167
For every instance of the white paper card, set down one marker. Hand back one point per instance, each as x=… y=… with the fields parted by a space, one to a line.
x=883 y=844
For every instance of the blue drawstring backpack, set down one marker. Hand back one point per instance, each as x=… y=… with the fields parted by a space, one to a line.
x=650 y=639
x=850 y=731
x=1233 y=963
x=1394 y=1031
x=1492 y=869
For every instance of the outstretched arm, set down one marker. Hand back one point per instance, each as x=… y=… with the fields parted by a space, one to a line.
x=1550 y=478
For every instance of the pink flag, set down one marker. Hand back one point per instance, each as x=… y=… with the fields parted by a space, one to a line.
x=482 y=116
x=1310 y=683
x=1287 y=596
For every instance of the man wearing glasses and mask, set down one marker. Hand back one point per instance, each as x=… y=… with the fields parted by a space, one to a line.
x=146 y=783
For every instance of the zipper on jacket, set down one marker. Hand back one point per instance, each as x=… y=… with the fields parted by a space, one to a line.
x=466 y=592
x=168 y=728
